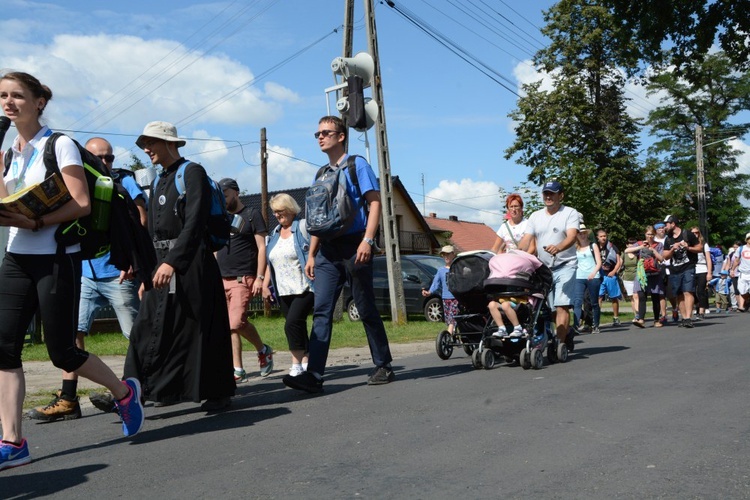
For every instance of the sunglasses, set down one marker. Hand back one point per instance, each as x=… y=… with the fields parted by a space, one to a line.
x=107 y=158
x=325 y=133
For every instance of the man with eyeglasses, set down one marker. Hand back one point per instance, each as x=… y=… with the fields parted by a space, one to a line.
x=331 y=262
x=682 y=249
x=102 y=284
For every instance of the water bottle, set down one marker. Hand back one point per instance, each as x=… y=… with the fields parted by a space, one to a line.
x=101 y=202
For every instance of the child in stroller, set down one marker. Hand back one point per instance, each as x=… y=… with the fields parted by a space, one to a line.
x=511 y=264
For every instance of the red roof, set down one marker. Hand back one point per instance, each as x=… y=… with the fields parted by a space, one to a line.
x=466 y=235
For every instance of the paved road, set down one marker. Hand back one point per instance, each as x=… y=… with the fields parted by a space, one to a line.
x=633 y=414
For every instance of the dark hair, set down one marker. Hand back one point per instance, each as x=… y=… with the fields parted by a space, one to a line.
x=31 y=83
x=337 y=122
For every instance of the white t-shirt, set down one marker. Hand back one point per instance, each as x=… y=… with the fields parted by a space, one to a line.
x=288 y=270
x=552 y=230
x=27 y=168
x=516 y=231
x=701 y=266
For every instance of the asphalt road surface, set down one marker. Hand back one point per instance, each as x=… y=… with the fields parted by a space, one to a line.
x=654 y=413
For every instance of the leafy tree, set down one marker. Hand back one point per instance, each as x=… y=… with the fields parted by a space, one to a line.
x=579 y=132
x=135 y=163
x=682 y=32
x=711 y=99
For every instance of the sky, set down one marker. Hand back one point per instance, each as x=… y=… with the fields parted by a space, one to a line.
x=221 y=71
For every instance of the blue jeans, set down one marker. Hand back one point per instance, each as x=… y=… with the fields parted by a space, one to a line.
x=100 y=293
x=333 y=265
x=593 y=289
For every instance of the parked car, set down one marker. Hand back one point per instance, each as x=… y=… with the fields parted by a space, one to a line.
x=417 y=272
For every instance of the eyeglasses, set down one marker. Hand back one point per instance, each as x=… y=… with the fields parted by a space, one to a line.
x=649 y=234
x=325 y=133
x=514 y=207
x=106 y=158
x=279 y=213
x=695 y=233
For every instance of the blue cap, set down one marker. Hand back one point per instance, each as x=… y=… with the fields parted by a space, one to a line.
x=552 y=187
x=724 y=272
x=659 y=225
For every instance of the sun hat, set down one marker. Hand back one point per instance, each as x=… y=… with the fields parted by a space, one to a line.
x=160 y=130
x=447 y=249
x=582 y=228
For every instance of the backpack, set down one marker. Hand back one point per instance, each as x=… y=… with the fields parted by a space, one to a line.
x=717 y=258
x=651 y=265
x=609 y=257
x=219 y=220
x=329 y=211
x=127 y=241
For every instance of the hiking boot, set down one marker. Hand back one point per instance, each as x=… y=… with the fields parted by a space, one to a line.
x=130 y=408
x=240 y=376
x=104 y=402
x=14 y=456
x=265 y=359
x=687 y=323
x=305 y=381
x=61 y=407
x=381 y=375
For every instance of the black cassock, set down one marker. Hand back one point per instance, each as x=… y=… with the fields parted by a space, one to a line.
x=180 y=345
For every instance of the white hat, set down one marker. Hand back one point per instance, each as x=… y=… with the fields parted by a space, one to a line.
x=160 y=130
x=747 y=236
x=447 y=249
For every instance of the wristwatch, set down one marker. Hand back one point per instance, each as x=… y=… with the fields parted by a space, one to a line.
x=260 y=277
x=369 y=241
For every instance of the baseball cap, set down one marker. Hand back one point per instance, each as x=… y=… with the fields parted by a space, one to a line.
x=671 y=218
x=228 y=183
x=160 y=130
x=724 y=271
x=552 y=187
x=447 y=249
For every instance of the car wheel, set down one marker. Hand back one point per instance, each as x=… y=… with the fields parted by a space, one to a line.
x=433 y=310
x=351 y=309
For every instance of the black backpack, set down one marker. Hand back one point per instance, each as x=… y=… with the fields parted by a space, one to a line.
x=329 y=211
x=128 y=242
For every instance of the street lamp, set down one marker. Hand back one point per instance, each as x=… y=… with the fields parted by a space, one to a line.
x=701 y=177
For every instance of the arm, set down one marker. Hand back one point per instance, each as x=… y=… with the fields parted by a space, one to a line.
x=709 y=263
x=598 y=260
x=267 y=283
x=617 y=267
x=364 y=251
x=260 y=240
x=499 y=245
x=140 y=204
x=570 y=239
x=310 y=265
x=525 y=243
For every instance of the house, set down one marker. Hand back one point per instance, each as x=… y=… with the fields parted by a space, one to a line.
x=415 y=235
x=463 y=235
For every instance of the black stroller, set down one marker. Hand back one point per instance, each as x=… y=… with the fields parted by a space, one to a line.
x=469 y=283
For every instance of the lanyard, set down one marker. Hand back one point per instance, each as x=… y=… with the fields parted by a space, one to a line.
x=14 y=166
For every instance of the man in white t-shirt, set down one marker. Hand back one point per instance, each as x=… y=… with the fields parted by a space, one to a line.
x=554 y=228
x=741 y=268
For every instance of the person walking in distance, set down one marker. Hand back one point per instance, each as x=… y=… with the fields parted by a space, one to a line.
x=682 y=248
x=331 y=262
x=242 y=264
x=102 y=285
x=36 y=274
x=611 y=264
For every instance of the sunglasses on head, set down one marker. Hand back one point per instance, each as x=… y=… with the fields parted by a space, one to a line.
x=325 y=133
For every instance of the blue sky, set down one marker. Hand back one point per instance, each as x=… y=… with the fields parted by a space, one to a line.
x=223 y=70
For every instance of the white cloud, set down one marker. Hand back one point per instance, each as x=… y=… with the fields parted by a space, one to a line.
x=470 y=200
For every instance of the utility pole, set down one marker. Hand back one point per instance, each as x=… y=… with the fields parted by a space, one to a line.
x=388 y=225
x=347 y=52
x=264 y=199
x=701 y=180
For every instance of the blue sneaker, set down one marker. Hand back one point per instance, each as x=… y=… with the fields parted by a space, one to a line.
x=14 y=456
x=131 y=409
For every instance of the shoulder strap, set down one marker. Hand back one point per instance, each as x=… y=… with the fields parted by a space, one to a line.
x=50 y=158
x=7 y=158
x=351 y=163
x=302 y=228
x=510 y=232
x=179 y=178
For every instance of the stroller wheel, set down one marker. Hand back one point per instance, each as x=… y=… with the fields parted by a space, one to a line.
x=537 y=359
x=488 y=359
x=524 y=359
x=468 y=348
x=476 y=359
x=443 y=345
x=562 y=352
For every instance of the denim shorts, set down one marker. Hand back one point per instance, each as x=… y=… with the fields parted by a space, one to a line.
x=683 y=282
x=563 y=286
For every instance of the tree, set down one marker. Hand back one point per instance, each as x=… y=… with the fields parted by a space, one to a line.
x=687 y=28
x=135 y=163
x=714 y=95
x=579 y=132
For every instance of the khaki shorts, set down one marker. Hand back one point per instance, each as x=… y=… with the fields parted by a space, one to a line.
x=238 y=292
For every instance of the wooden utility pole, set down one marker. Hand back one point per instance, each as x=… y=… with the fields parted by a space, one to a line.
x=264 y=199
x=701 y=181
x=388 y=224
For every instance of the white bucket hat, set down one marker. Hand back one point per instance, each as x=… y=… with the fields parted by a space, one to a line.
x=160 y=130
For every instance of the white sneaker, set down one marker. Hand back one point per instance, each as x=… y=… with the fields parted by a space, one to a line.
x=501 y=332
x=518 y=332
x=295 y=370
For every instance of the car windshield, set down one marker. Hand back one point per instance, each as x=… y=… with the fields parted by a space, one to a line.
x=431 y=261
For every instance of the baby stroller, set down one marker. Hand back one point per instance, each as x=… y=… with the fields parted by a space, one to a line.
x=535 y=316
x=466 y=282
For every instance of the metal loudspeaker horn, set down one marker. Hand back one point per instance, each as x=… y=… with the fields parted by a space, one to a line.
x=361 y=65
x=371 y=111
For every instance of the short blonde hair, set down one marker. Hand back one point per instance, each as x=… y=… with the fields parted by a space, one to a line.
x=283 y=201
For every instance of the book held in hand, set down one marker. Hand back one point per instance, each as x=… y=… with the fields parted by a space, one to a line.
x=38 y=199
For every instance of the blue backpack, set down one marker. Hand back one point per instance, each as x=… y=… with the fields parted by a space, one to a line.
x=219 y=220
x=329 y=210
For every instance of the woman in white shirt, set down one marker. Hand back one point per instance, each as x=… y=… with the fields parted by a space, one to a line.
x=35 y=275
x=512 y=230
x=703 y=269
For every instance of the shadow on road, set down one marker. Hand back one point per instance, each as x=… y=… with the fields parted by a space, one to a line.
x=54 y=482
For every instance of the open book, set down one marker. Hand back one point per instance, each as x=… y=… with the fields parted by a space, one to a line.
x=38 y=199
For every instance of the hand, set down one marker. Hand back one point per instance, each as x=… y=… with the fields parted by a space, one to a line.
x=310 y=268
x=257 y=287
x=16 y=220
x=364 y=253
x=425 y=293
x=551 y=249
x=163 y=276
x=126 y=275
x=267 y=294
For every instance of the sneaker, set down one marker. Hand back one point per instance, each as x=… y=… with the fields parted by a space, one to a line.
x=217 y=404
x=295 y=370
x=305 y=381
x=595 y=330
x=104 y=402
x=131 y=409
x=518 y=332
x=59 y=408
x=569 y=342
x=265 y=359
x=14 y=456
x=501 y=332
x=240 y=376
x=615 y=321
x=381 y=375
x=675 y=316
x=687 y=323
x=639 y=323
x=701 y=317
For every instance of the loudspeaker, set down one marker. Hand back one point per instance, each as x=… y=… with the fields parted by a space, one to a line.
x=361 y=65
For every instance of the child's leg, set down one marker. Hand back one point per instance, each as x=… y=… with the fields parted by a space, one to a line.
x=494 y=308
x=510 y=313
